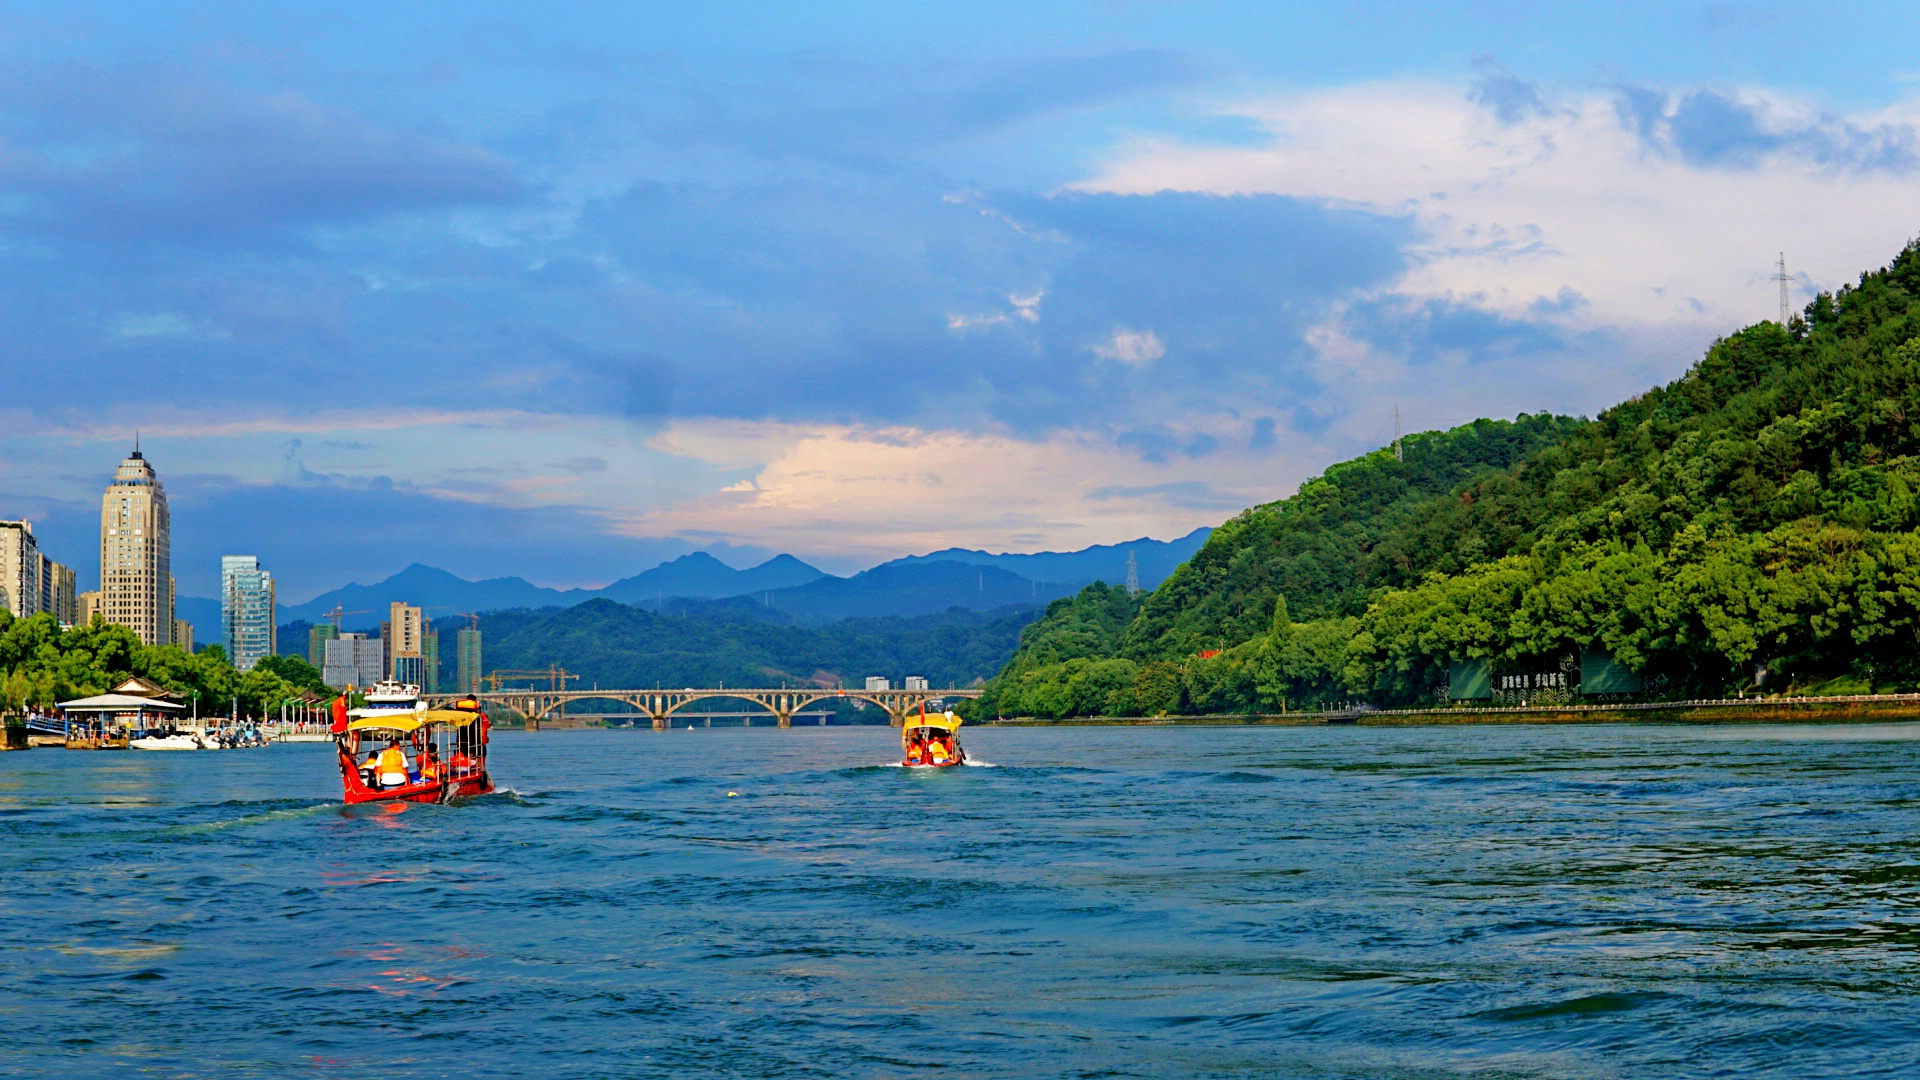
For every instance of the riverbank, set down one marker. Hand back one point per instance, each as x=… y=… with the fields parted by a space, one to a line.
x=1798 y=710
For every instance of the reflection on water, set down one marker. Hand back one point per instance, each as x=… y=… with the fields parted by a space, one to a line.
x=1648 y=901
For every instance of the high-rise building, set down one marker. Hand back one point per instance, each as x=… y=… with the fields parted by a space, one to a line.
x=403 y=633
x=430 y=657
x=183 y=634
x=317 y=638
x=66 y=606
x=246 y=611
x=352 y=660
x=19 y=569
x=89 y=607
x=467 y=661
x=136 y=557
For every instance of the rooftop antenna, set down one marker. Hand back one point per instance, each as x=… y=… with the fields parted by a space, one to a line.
x=1397 y=455
x=1133 y=574
x=1783 y=279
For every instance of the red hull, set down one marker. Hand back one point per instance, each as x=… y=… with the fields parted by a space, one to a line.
x=463 y=786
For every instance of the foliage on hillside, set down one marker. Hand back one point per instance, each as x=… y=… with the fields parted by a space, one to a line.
x=41 y=664
x=1759 y=513
x=715 y=644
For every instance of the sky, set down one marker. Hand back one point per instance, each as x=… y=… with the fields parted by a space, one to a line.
x=564 y=290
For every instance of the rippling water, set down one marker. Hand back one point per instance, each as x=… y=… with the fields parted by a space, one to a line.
x=1605 y=901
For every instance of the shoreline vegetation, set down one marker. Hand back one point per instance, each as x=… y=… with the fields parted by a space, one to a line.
x=1856 y=708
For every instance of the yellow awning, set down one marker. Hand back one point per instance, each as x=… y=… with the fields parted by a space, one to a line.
x=413 y=721
x=947 y=724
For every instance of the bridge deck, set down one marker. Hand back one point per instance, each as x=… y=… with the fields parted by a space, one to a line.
x=661 y=705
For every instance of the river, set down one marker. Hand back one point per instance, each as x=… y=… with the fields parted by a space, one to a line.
x=1502 y=901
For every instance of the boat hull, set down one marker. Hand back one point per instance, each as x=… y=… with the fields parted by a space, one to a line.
x=433 y=791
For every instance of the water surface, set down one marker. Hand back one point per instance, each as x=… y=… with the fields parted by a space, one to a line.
x=1553 y=901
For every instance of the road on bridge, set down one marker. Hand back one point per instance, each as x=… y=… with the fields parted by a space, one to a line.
x=660 y=705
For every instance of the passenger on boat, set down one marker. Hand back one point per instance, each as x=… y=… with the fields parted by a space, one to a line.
x=392 y=769
x=937 y=751
x=914 y=753
x=460 y=762
x=429 y=764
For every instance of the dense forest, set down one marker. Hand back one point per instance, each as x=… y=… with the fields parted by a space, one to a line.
x=41 y=664
x=1751 y=525
x=737 y=643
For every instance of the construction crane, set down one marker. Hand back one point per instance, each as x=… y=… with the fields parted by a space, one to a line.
x=474 y=615
x=337 y=614
x=555 y=672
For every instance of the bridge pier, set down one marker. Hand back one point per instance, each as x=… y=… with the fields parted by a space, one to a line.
x=659 y=722
x=784 y=720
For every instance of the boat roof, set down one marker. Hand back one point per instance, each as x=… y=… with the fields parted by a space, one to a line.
x=117 y=703
x=948 y=723
x=414 y=721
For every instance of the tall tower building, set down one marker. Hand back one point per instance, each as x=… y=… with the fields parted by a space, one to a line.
x=136 y=557
x=19 y=569
x=246 y=610
x=63 y=603
x=404 y=633
x=317 y=638
x=467 y=661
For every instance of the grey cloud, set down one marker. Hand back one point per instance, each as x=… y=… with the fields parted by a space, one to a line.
x=849 y=114
x=1507 y=96
x=131 y=154
x=1190 y=494
x=1715 y=129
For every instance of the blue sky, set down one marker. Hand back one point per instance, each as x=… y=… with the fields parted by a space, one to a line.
x=565 y=290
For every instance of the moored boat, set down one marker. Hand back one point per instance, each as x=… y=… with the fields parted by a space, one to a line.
x=179 y=740
x=931 y=742
x=397 y=750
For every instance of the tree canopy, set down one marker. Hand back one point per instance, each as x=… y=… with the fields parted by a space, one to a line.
x=42 y=664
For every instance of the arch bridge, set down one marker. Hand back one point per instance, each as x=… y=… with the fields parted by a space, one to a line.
x=660 y=705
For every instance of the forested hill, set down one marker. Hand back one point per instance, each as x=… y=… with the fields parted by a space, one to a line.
x=731 y=643
x=1756 y=518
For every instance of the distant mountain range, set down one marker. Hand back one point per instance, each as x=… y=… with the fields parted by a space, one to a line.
x=919 y=584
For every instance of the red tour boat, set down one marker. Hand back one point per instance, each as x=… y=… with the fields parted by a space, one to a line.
x=398 y=750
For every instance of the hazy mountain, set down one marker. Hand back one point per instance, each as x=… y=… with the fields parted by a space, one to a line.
x=432 y=588
x=703 y=576
x=913 y=589
x=956 y=577
x=1102 y=562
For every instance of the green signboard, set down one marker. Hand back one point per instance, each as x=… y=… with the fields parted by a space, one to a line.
x=1468 y=680
x=1600 y=673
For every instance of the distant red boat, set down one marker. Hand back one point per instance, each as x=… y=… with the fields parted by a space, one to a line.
x=397 y=750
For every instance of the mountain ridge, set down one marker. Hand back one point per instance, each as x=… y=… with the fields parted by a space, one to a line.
x=911 y=585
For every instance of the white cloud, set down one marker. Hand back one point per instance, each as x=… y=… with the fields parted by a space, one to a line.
x=1136 y=347
x=1025 y=308
x=869 y=494
x=1568 y=198
x=149 y=326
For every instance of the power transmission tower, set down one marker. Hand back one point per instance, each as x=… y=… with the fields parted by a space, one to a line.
x=1397 y=455
x=1783 y=279
x=1133 y=575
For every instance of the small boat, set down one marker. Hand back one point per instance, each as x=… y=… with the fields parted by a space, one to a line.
x=931 y=742
x=179 y=740
x=398 y=750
